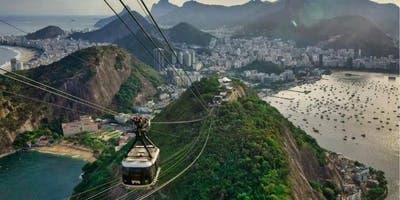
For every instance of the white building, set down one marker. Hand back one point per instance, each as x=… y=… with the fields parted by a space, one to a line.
x=193 y=57
x=159 y=62
x=187 y=59
x=84 y=124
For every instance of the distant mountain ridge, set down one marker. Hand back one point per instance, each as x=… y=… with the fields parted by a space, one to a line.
x=307 y=12
x=114 y=30
x=105 y=21
x=344 y=31
x=350 y=32
x=47 y=32
x=163 y=7
x=207 y=16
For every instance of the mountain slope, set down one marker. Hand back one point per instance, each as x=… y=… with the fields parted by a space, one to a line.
x=306 y=12
x=162 y=8
x=102 y=75
x=45 y=33
x=186 y=33
x=131 y=43
x=102 y=22
x=207 y=16
x=253 y=153
x=348 y=31
x=114 y=30
x=385 y=16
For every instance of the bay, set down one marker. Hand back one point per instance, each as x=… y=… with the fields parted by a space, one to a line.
x=353 y=113
x=34 y=175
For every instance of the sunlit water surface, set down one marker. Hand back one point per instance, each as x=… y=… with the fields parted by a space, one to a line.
x=341 y=109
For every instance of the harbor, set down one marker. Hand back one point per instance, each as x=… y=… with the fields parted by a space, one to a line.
x=355 y=115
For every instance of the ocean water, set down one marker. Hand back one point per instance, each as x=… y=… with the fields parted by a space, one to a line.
x=34 y=23
x=6 y=55
x=357 y=116
x=33 y=175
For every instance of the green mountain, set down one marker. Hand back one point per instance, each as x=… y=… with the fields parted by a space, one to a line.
x=132 y=45
x=108 y=76
x=348 y=31
x=252 y=152
x=45 y=33
x=354 y=32
x=186 y=33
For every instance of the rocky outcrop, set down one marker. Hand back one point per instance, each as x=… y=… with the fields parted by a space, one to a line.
x=12 y=123
x=97 y=79
x=94 y=74
x=298 y=175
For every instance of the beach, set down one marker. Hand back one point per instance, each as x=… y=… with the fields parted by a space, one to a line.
x=66 y=149
x=23 y=55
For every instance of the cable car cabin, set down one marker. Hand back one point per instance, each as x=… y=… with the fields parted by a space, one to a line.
x=139 y=169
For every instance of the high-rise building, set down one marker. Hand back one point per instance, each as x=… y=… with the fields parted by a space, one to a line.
x=159 y=61
x=321 y=60
x=193 y=57
x=13 y=63
x=180 y=57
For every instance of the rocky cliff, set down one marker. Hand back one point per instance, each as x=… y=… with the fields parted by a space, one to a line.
x=15 y=118
x=96 y=74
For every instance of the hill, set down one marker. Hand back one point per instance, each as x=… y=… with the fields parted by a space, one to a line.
x=253 y=152
x=207 y=16
x=114 y=30
x=347 y=31
x=45 y=33
x=186 y=33
x=354 y=32
x=384 y=16
x=105 y=75
x=102 y=22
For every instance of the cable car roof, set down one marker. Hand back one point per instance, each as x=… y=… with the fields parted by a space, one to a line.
x=138 y=157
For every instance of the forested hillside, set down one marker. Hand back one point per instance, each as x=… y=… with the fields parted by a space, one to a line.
x=250 y=154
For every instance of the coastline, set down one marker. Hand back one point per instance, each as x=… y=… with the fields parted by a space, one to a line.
x=66 y=150
x=7 y=154
x=392 y=182
x=23 y=55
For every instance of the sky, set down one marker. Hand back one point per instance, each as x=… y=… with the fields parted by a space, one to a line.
x=93 y=7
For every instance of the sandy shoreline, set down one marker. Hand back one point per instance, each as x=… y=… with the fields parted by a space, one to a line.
x=23 y=55
x=64 y=150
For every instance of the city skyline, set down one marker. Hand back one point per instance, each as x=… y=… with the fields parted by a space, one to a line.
x=96 y=7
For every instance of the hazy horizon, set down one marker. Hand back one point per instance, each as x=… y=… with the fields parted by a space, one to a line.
x=97 y=7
